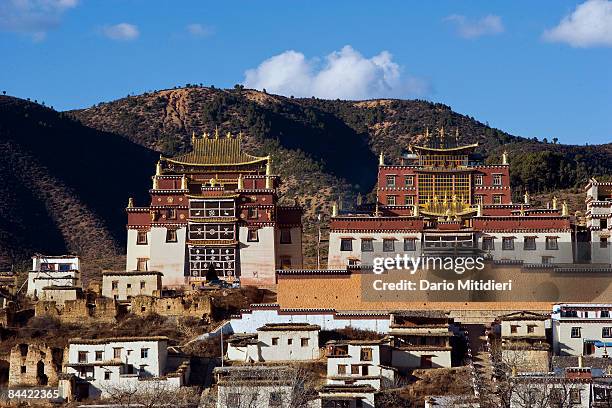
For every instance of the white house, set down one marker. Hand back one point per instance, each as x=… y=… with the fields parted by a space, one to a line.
x=277 y=342
x=53 y=271
x=111 y=363
x=582 y=329
x=123 y=285
x=347 y=396
x=599 y=219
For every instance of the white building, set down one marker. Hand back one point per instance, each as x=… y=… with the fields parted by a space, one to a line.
x=582 y=329
x=123 y=285
x=599 y=219
x=347 y=396
x=569 y=387
x=277 y=342
x=53 y=271
x=112 y=363
x=524 y=342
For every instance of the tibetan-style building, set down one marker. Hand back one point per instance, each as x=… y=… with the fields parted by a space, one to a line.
x=442 y=199
x=214 y=209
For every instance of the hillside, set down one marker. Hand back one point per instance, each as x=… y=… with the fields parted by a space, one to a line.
x=66 y=176
x=64 y=186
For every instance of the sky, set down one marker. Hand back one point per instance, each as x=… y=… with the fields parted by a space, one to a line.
x=534 y=69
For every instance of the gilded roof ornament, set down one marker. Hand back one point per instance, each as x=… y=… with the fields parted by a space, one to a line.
x=130 y=202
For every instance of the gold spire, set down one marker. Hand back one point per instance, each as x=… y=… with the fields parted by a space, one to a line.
x=505 y=157
x=269 y=166
x=228 y=135
x=193 y=138
x=334 y=209
x=158 y=169
x=240 y=182
x=526 y=197
x=130 y=202
x=522 y=210
x=554 y=202
x=155 y=183
x=216 y=132
x=381 y=159
x=184 y=183
x=564 y=209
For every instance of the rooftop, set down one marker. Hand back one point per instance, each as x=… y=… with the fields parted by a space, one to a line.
x=117 y=339
x=289 y=327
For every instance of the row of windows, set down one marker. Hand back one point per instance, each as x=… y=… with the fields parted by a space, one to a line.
x=367 y=244
x=142 y=239
x=606 y=332
x=529 y=243
x=99 y=354
x=115 y=285
x=356 y=369
x=391 y=180
x=304 y=341
x=214 y=231
x=409 y=199
x=234 y=399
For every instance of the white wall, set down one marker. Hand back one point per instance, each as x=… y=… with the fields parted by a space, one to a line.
x=412 y=358
x=123 y=292
x=135 y=251
x=168 y=257
x=284 y=351
x=561 y=255
x=256 y=259
x=38 y=280
x=292 y=250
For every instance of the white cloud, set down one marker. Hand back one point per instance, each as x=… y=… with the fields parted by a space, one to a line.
x=344 y=74
x=33 y=17
x=122 y=32
x=590 y=25
x=199 y=30
x=487 y=25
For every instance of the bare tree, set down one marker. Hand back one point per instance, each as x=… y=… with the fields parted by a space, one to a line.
x=150 y=394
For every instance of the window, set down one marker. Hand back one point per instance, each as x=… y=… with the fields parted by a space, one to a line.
x=478 y=199
x=289 y=342
x=285 y=262
x=497 y=199
x=141 y=264
x=388 y=245
x=116 y=352
x=276 y=399
x=341 y=368
x=212 y=208
x=253 y=235
x=252 y=213
x=531 y=328
x=128 y=286
x=171 y=235
x=304 y=342
x=529 y=244
x=603 y=242
x=575 y=334
x=346 y=244
x=390 y=181
x=605 y=313
x=285 y=236
x=367 y=245
x=144 y=353
x=488 y=244
x=478 y=180
x=354 y=369
x=23 y=369
x=547 y=259
x=575 y=397
x=409 y=244
x=275 y=341
x=141 y=238
x=508 y=243
x=366 y=354
x=551 y=243
x=82 y=356
x=115 y=285
x=233 y=399
x=143 y=285
x=409 y=181
x=606 y=332
x=210 y=231
x=391 y=199
x=409 y=200
x=514 y=328
x=172 y=214
x=364 y=370
x=99 y=355
x=497 y=179
x=107 y=375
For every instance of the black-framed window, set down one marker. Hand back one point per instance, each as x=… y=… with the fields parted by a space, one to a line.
x=346 y=244
x=529 y=244
x=488 y=244
x=367 y=245
x=388 y=245
x=508 y=243
x=552 y=243
x=253 y=235
x=285 y=236
x=409 y=244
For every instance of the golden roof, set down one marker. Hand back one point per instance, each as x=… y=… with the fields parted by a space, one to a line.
x=444 y=149
x=216 y=151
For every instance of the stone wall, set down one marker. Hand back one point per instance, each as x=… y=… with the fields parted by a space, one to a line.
x=79 y=310
x=199 y=306
x=34 y=365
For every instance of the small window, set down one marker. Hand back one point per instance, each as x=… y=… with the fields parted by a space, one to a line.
x=115 y=285
x=82 y=356
x=233 y=399
x=171 y=235
x=275 y=341
x=346 y=244
x=388 y=245
x=575 y=397
x=531 y=328
x=409 y=200
x=141 y=238
x=391 y=199
x=605 y=313
x=575 y=334
x=508 y=244
x=367 y=245
x=23 y=369
x=252 y=213
x=390 y=181
x=143 y=285
x=354 y=369
x=116 y=352
x=128 y=286
x=366 y=354
x=276 y=399
x=497 y=179
x=289 y=342
x=253 y=235
x=529 y=244
x=603 y=242
x=606 y=332
x=409 y=181
x=285 y=262
x=478 y=199
x=478 y=180
x=107 y=375
x=172 y=214
x=341 y=368
x=409 y=244
x=304 y=342
x=551 y=243
x=99 y=355
x=514 y=328
x=144 y=353
x=141 y=264
x=497 y=199
x=285 y=236
x=488 y=244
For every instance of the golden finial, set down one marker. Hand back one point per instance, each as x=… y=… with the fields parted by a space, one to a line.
x=564 y=209
x=240 y=182
x=269 y=166
x=554 y=202
x=334 y=209
x=216 y=132
x=193 y=137
x=359 y=199
x=130 y=202
x=228 y=135
x=381 y=159
x=522 y=211
x=158 y=169
x=505 y=157
x=184 y=183
x=155 y=183
x=415 y=210
x=526 y=197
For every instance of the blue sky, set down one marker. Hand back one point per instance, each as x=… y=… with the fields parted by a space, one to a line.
x=535 y=69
